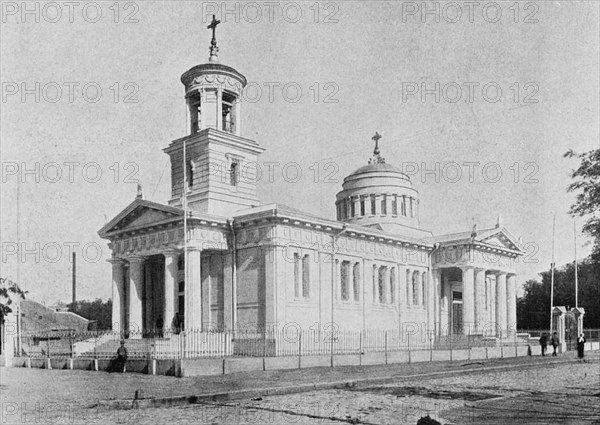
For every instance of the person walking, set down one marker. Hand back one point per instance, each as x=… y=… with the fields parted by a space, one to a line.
x=543 y=343
x=554 y=341
x=580 y=347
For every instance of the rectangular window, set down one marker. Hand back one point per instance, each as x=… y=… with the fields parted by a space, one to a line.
x=356 y=281
x=404 y=206
x=384 y=205
x=395 y=205
x=415 y=288
x=423 y=288
x=296 y=275
x=352 y=208
x=373 y=204
x=408 y=288
x=345 y=280
x=362 y=206
x=306 y=276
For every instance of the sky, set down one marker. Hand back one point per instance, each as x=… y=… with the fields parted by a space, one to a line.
x=478 y=105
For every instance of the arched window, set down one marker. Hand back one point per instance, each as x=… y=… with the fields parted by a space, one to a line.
x=382 y=284
x=415 y=288
x=356 y=281
x=375 y=297
x=233 y=172
x=393 y=285
x=345 y=280
x=296 y=275
x=306 y=276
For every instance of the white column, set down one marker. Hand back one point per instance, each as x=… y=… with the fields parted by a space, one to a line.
x=480 y=283
x=136 y=281
x=148 y=297
x=193 y=290
x=389 y=198
x=377 y=205
x=433 y=279
x=356 y=202
x=511 y=303
x=468 y=296
x=501 y=303
x=171 y=258
x=118 y=295
x=219 y=108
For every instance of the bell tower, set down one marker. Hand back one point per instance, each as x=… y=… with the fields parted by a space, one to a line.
x=218 y=171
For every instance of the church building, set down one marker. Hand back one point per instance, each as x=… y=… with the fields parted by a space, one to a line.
x=217 y=259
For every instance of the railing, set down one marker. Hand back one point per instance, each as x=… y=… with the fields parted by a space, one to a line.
x=292 y=341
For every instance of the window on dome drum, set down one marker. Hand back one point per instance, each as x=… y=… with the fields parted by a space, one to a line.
x=412 y=209
x=296 y=275
x=373 y=204
x=403 y=205
x=393 y=285
x=395 y=205
x=408 y=287
x=345 y=280
x=423 y=288
x=382 y=284
x=415 y=288
x=352 y=208
x=356 y=281
x=384 y=205
x=344 y=209
x=234 y=172
x=306 y=276
x=374 y=284
x=362 y=206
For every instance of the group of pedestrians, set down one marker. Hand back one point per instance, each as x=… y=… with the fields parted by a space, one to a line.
x=554 y=341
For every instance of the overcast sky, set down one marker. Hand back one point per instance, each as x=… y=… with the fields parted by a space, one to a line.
x=510 y=88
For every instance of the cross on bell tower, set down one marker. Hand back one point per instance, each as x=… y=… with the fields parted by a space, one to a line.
x=214 y=49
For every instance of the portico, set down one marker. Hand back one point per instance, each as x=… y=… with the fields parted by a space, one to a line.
x=475 y=279
x=149 y=276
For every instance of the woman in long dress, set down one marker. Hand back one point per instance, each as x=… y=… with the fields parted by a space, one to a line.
x=580 y=346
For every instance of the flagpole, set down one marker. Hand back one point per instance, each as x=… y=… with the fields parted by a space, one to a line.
x=552 y=272
x=576 y=279
x=184 y=187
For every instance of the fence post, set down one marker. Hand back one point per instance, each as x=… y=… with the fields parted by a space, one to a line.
x=300 y=349
x=48 y=344
x=516 y=350
x=450 y=335
x=331 y=350
x=360 y=336
x=386 y=348
x=430 y=349
x=264 y=351
x=501 y=346
x=469 y=345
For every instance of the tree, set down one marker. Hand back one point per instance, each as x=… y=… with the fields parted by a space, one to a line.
x=533 y=309
x=8 y=291
x=98 y=310
x=587 y=186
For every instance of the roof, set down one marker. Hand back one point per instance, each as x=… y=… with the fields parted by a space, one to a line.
x=490 y=237
x=377 y=167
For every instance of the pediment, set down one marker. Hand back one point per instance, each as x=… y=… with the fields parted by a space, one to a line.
x=140 y=214
x=500 y=239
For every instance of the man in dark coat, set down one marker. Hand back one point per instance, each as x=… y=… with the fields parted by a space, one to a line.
x=554 y=341
x=543 y=343
x=580 y=346
x=121 y=358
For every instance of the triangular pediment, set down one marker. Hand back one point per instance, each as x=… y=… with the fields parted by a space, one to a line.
x=501 y=239
x=140 y=214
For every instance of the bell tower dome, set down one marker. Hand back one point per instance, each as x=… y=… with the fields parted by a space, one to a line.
x=214 y=167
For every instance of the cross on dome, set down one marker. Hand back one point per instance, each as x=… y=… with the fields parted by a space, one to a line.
x=214 y=49
x=377 y=159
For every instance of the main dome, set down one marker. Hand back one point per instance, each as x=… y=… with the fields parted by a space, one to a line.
x=379 y=195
